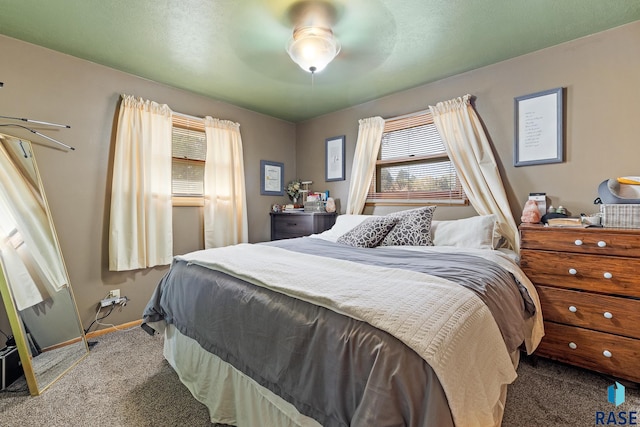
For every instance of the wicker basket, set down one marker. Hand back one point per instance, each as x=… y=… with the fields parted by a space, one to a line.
x=621 y=215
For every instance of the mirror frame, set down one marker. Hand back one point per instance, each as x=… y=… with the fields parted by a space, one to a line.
x=18 y=334
x=16 y=323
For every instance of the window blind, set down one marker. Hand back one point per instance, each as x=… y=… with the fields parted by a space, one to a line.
x=189 y=154
x=413 y=164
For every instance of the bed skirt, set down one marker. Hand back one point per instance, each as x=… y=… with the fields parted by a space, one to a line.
x=231 y=397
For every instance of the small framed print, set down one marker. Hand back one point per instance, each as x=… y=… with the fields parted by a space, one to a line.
x=334 y=158
x=271 y=178
x=539 y=128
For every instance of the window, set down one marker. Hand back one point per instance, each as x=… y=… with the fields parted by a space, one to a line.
x=413 y=165
x=189 y=151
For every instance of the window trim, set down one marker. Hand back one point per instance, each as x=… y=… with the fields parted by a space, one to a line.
x=182 y=201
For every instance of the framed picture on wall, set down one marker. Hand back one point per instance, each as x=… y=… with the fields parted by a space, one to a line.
x=334 y=159
x=539 y=128
x=271 y=178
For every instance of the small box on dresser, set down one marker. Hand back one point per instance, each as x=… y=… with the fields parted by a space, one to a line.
x=287 y=225
x=589 y=285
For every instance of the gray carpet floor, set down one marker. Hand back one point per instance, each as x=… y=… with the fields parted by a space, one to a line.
x=126 y=382
x=49 y=365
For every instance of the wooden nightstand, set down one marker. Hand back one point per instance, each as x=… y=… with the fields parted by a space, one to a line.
x=297 y=224
x=588 y=280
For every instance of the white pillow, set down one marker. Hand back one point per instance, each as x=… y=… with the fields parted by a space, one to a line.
x=475 y=232
x=344 y=224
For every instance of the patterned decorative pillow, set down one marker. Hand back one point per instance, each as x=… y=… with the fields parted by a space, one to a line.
x=369 y=233
x=413 y=228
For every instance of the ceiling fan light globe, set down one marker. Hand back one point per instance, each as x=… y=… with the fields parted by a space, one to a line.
x=313 y=48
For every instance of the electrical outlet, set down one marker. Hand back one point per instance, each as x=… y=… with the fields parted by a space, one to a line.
x=115 y=293
x=109 y=301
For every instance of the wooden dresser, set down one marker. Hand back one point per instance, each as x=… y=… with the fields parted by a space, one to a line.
x=588 y=280
x=297 y=224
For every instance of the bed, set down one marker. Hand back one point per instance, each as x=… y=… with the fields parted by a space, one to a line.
x=380 y=321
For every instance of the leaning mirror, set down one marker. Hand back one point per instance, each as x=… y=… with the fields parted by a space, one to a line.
x=34 y=283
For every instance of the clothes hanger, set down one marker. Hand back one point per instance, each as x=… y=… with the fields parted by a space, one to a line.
x=39 y=122
x=36 y=132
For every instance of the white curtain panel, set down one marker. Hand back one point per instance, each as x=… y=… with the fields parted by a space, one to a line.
x=23 y=288
x=470 y=151
x=140 y=233
x=364 y=162
x=225 y=201
x=22 y=209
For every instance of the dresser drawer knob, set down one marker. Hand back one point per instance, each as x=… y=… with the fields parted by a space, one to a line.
x=607 y=275
x=573 y=271
x=606 y=353
x=572 y=308
x=602 y=244
x=578 y=242
x=573 y=345
x=608 y=315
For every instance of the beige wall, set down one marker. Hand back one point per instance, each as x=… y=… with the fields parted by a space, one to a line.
x=600 y=74
x=601 y=77
x=46 y=85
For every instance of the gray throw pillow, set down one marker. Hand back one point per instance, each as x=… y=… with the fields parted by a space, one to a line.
x=369 y=233
x=413 y=228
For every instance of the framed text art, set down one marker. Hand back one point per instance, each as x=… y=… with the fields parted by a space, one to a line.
x=334 y=159
x=271 y=178
x=539 y=128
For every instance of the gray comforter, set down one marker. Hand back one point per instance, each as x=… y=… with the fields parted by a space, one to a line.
x=335 y=369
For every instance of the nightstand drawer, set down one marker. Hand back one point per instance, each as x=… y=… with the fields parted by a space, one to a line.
x=598 y=351
x=291 y=225
x=603 y=313
x=299 y=224
x=609 y=275
x=581 y=240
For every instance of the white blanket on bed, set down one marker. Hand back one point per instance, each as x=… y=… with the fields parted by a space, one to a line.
x=447 y=324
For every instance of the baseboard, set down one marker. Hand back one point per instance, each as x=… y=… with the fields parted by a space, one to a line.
x=110 y=329
x=62 y=344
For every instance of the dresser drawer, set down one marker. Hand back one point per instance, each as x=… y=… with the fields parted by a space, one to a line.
x=603 y=313
x=582 y=240
x=587 y=349
x=603 y=274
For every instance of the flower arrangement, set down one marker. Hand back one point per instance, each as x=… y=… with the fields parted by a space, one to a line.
x=293 y=189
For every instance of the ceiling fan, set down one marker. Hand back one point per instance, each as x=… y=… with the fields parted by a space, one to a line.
x=364 y=30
